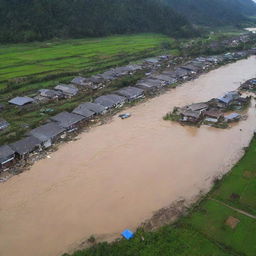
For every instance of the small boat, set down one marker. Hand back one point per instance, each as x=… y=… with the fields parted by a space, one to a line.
x=124 y=116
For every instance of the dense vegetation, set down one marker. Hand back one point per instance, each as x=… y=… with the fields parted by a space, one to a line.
x=28 y=20
x=215 y=12
x=205 y=230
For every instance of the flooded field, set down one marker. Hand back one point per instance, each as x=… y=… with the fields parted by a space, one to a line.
x=118 y=174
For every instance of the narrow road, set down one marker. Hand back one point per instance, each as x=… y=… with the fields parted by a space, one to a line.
x=235 y=209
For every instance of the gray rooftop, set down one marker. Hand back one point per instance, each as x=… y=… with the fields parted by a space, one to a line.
x=5 y=153
x=21 y=101
x=165 y=77
x=130 y=92
x=25 y=145
x=182 y=72
x=50 y=93
x=110 y=100
x=117 y=99
x=79 y=81
x=93 y=107
x=105 y=102
x=47 y=132
x=197 y=106
x=83 y=111
x=191 y=67
x=149 y=84
x=67 y=120
x=67 y=89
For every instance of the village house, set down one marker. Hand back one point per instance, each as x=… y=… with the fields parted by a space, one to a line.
x=84 y=111
x=131 y=93
x=108 y=75
x=7 y=156
x=249 y=85
x=68 y=90
x=233 y=117
x=117 y=99
x=197 y=107
x=229 y=97
x=21 y=101
x=68 y=121
x=3 y=124
x=191 y=68
x=202 y=65
x=182 y=73
x=191 y=116
x=106 y=102
x=94 y=107
x=171 y=73
x=213 y=116
x=25 y=146
x=168 y=80
x=47 y=134
x=150 y=84
x=110 y=101
x=152 y=61
x=80 y=81
x=51 y=94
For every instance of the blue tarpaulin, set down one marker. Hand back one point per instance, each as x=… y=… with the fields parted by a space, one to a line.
x=127 y=234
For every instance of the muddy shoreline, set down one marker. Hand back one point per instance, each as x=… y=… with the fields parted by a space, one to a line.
x=117 y=175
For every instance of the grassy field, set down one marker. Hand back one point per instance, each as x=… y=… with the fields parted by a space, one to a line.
x=203 y=232
x=42 y=61
x=25 y=68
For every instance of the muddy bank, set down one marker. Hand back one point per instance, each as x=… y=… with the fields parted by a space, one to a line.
x=116 y=175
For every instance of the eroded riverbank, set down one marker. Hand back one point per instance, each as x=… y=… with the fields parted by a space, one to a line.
x=116 y=175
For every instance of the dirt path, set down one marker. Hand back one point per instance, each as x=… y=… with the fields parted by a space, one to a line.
x=116 y=175
x=235 y=209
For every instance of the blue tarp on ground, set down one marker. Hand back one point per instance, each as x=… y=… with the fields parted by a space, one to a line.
x=127 y=234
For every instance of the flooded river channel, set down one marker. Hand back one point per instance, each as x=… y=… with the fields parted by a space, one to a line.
x=118 y=174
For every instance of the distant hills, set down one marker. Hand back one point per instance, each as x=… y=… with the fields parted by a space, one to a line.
x=214 y=12
x=30 y=20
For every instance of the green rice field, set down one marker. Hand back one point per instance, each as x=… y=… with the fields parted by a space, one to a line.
x=26 y=68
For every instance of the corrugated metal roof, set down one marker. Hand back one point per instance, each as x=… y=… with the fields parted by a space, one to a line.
x=67 y=120
x=21 y=101
x=5 y=153
x=25 y=145
x=47 y=131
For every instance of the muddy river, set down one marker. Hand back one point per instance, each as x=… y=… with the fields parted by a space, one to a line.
x=118 y=174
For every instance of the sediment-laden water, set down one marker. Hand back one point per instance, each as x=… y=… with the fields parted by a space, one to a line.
x=116 y=175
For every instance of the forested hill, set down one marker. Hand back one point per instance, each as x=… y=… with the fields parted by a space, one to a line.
x=215 y=12
x=28 y=20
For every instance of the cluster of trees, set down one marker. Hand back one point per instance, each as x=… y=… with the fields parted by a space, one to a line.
x=28 y=20
x=215 y=12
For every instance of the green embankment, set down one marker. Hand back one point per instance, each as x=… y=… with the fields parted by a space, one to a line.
x=203 y=232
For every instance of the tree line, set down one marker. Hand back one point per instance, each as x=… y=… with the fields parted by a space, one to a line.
x=29 y=20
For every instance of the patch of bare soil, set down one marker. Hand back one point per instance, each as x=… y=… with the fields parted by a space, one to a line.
x=232 y=222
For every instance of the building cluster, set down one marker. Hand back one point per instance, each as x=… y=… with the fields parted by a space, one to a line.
x=59 y=125
x=217 y=112
x=249 y=86
x=232 y=42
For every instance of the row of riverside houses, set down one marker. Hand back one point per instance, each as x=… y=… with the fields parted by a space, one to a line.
x=44 y=136
x=78 y=84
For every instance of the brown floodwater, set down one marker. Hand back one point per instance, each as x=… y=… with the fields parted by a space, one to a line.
x=118 y=174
